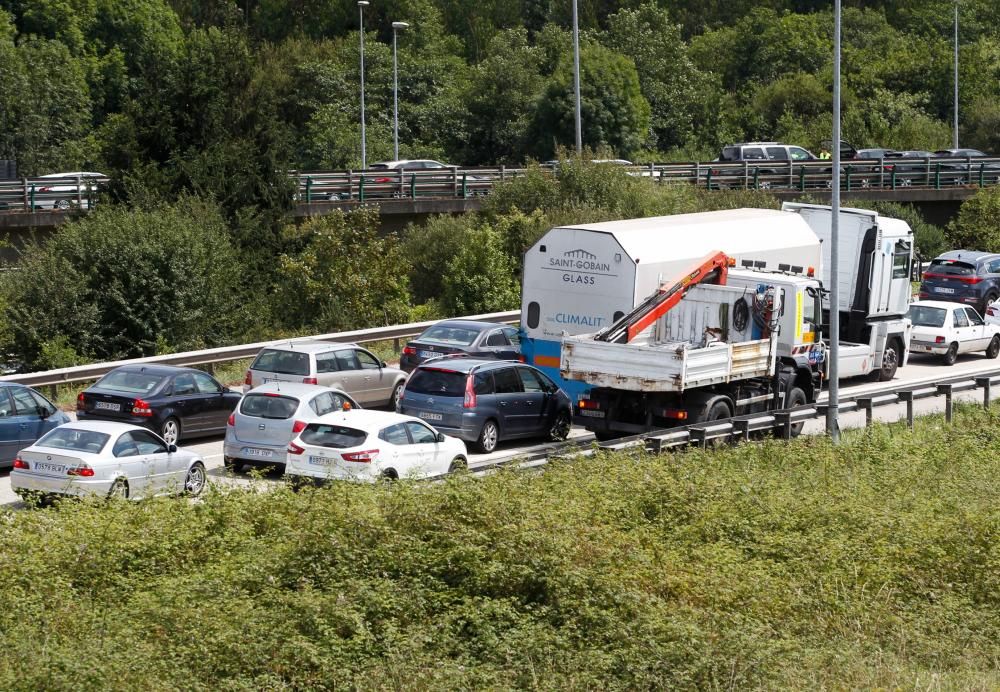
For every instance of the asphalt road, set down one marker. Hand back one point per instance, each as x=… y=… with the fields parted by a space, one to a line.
x=920 y=370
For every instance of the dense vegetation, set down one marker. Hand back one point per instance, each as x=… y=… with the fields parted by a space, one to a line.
x=872 y=565
x=197 y=110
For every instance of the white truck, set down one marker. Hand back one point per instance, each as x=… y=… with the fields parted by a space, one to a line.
x=696 y=352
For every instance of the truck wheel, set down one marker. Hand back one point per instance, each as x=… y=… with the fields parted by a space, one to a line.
x=951 y=355
x=890 y=362
x=994 y=350
x=796 y=397
x=719 y=410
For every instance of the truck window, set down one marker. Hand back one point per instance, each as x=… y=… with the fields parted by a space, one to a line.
x=534 y=312
x=809 y=305
x=901 y=260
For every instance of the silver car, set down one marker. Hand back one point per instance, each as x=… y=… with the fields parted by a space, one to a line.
x=347 y=367
x=270 y=416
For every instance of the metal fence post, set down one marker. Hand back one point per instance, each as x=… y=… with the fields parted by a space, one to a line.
x=465 y=183
x=413 y=185
x=848 y=171
x=32 y=207
x=708 y=180
x=361 y=188
x=79 y=193
x=907 y=398
x=791 y=173
x=946 y=389
x=802 y=178
x=746 y=175
x=985 y=383
x=937 y=176
x=454 y=180
x=756 y=178
x=503 y=173
x=892 y=178
x=309 y=187
x=741 y=432
x=350 y=185
x=784 y=420
x=865 y=403
x=982 y=179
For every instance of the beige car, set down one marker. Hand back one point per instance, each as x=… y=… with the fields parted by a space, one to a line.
x=347 y=367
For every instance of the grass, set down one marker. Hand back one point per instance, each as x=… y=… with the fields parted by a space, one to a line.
x=872 y=565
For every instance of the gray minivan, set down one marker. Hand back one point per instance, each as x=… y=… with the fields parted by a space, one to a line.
x=486 y=401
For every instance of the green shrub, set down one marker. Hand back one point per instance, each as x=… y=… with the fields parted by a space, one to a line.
x=977 y=226
x=480 y=277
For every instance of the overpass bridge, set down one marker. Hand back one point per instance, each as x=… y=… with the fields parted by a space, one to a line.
x=936 y=185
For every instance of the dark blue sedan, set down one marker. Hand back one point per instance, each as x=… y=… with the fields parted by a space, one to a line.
x=171 y=401
x=25 y=415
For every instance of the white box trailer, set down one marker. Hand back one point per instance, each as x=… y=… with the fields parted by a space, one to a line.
x=580 y=279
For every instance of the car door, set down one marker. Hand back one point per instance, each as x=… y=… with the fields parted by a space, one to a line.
x=49 y=413
x=138 y=469
x=962 y=330
x=509 y=393
x=425 y=444
x=376 y=381
x=168 y=469
x=29 y=421
x=497 y=345
x=349 y=376
x=189 y=406
x=10 y=428
x=535 y=397
x=215 y=404
x=400 y=454
x=977 y=330
x=514 y=339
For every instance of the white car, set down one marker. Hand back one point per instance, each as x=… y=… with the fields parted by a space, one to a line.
x=366 y=445
x=948 y=329
x=105 y=459
x=67 y=190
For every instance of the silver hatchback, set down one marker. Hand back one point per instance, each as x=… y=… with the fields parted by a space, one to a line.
x=348 y=367
x=270 y=416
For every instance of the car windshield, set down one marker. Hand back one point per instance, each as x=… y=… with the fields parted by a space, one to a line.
x=336 y=436
x=269 y=406
x=75 y=439
x=452 y=336
x=926 y=316
x=436 y=381
x=951 y=268
x=130 y=382
x=283 y=362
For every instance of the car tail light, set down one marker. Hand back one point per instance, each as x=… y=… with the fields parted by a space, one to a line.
x=409 y=351
x=20 y=463
x=295 y=449
x=44 y=189
x=81 y=470
x=232 y=420
x=972 y=280
x=80 y=402
x=939 y=340
x=142 y=408
x=470 y=393
x=310 y=380
x=248 y=380
x=991 y=311
x=383 y=180
x=298 y=426
x=365 y=457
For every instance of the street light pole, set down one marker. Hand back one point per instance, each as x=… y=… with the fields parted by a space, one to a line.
x=362 y=4
x=833 y=399
x=955 y=134
x=576 y=80
x=396 y=26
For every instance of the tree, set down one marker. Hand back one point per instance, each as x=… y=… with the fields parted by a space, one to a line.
x=341 y=273
x=977 y=226
x=124 y=283
x=614 y=112
x=480 y=277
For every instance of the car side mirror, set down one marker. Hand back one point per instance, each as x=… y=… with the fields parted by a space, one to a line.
x=42 y=412
x=440 y=437
x=384 y=364
x=171 y=449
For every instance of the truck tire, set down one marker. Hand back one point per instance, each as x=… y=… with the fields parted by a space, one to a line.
x=796 y=397
x=718 y=411
x=890 y=361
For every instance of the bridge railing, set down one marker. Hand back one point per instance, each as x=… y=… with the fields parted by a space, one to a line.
x=53 y=194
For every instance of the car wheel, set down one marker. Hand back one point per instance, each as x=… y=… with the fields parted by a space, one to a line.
x=990 y=297
x=560 y=427
x=390 y=475
x=951 y=355
x=61 y=204
x=890 y=362
x=170 y=431
x=796 y=397
x=231 y=464
x=488 y=437
x=119 y=489
x=397 y=394
x=459 y=463
x=194 y=482
x=994 y=349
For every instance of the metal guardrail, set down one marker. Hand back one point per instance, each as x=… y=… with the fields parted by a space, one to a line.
x=28 y=195
x=211 y=356
x=741 y=428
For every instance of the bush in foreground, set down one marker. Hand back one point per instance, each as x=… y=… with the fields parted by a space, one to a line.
x=798 y=566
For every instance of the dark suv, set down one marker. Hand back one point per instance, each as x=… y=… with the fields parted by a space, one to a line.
x=486 y=401
x=963 y=276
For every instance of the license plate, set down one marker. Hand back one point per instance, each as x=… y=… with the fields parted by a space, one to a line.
x=938 y=289
x=107 y=406
x=591 y=413
x=430 y=416
x=252 y=452
x=44 y=466
x=428 y=354
x=320 y=461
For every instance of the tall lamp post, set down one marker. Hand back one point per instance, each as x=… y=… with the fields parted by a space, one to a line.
x=576 y=80
x=833 y=402
x=362 y=4
x=955 y=134
x=396 y=26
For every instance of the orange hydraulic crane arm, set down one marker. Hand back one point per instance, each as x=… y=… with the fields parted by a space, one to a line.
x=712 y=268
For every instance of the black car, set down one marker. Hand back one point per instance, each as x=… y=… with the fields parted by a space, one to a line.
x=479 y=339
x=963 y=276
x=964 y=161
x=172 y=402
